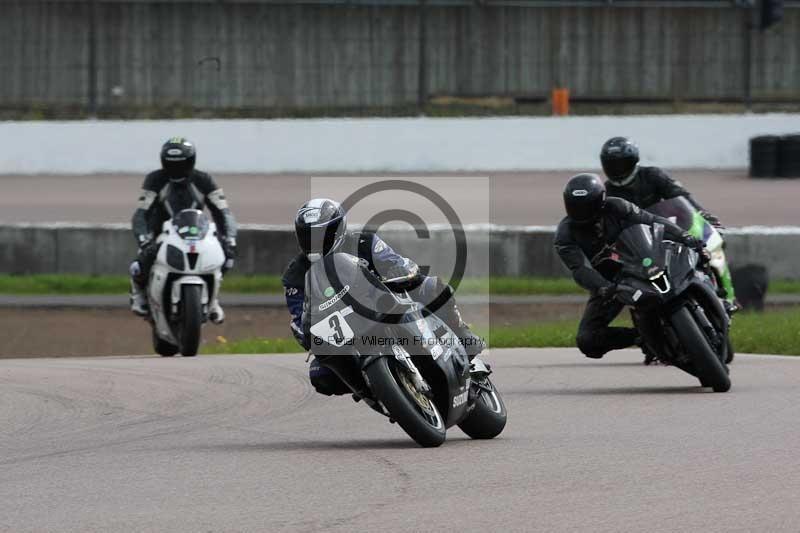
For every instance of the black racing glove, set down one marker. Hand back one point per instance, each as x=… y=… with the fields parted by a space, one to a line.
x=698 y=246
x=711 y=219
x=402 y=277
x=148 y=248
x=230 y=254
x=693 y=242
x=608 y=292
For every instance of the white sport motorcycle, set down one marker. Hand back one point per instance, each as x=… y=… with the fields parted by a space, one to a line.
x=184 y=282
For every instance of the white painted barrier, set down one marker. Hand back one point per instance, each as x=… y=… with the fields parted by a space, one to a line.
x=396 y=144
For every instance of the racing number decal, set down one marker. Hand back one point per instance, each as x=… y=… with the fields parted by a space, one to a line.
x=334 y=329
x=336 y=326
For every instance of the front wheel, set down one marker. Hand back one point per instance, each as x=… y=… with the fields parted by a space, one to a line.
x=415 y=412
x=710 y=370
x=488 y=416
x=191 y=319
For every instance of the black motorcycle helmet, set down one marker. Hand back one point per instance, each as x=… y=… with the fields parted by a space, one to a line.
x=177 y=158
x=320 y=226
x=584 y=198
x=619 y=157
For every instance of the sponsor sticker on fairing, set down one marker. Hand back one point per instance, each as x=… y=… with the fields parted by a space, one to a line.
x=326 y=304
x=460 y=399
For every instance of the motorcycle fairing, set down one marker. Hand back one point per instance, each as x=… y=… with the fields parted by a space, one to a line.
x=354 y=318
x=164 y=285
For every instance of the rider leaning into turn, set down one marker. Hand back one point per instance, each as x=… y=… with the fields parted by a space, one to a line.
x=646 y=186
x=165 y=192
x=321 y=229
x=593 y=223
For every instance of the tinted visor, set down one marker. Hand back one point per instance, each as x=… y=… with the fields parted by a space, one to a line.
x=581 y=213
x=319 y=239
x=192 y=224
x=178 y=168
x=585 y=209
x=618 y=168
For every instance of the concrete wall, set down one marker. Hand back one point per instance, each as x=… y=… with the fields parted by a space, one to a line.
x=506 y=251
x=405 y=144
x=203 y=54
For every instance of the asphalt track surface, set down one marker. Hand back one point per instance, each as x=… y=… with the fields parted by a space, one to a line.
x=242 y=443
x=517 y=198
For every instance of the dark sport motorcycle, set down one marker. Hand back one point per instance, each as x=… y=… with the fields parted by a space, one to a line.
x=683 y=213
x=674 y=302
x=396 y=356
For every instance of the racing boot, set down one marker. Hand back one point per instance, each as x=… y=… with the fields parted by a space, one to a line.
x=433 y=289
x=215 y=313
x=138 y=300
x=451 y=316
x=649 y=357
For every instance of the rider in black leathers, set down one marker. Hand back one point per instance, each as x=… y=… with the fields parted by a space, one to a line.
x=646 y=186
x=582 y=240
x=165 y=192
x=324 y=220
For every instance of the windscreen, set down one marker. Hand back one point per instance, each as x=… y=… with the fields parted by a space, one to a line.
x=192 y=224
x=640 y=249
x=683 y=213
x=678 y=209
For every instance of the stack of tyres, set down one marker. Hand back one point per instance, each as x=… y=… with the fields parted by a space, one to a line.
x=764 y=156
x=788 y=160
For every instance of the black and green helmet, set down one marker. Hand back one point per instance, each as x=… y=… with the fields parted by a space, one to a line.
x=178 y=156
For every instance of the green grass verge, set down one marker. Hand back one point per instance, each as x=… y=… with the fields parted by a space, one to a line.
x=62 y=284
x=519 y=286
x=784 y=286
x=774 y=332
x=80 y=284
x=250 y=346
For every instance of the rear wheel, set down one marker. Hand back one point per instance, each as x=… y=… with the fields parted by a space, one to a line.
x=191 y=320
x=162 y=347
x=710 y=370
x=488 y=416
x=409 y=407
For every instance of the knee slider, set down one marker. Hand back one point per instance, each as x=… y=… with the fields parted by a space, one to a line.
x=325 y=381
x=587 y=346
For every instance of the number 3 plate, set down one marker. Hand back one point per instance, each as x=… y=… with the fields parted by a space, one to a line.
x=334 y=329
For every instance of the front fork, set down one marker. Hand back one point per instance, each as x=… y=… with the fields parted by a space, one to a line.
x=479 y=372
